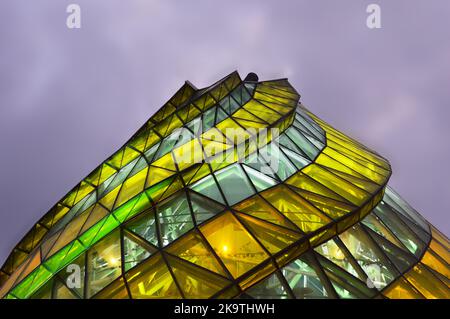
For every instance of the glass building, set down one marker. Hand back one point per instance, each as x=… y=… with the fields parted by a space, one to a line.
x=233 y=191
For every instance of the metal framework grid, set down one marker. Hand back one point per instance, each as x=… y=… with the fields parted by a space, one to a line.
x=145 y=224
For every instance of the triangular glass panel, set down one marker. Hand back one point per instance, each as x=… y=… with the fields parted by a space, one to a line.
x=134 y=250
x=193 y=249
x=103 y=263
x=152 y=280
x=269 y=288
x=333 y=252
x=345 y=285
x=194 y=282
x=303 y=280
x=239 y=251
x=257 y=207
x=401 y=260
x=174 y=218
x=377 y=267
x=298 y=160
x=207 y=187
x=272 y=237
x=259 y=180
x=60 y=291
x=145 y=226
x=203 y=208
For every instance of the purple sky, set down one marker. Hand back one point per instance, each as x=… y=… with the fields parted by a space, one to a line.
x=69 y=98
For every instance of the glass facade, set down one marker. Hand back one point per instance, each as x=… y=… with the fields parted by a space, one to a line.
x=284 y=207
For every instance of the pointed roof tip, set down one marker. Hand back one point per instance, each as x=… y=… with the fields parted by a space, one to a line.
x=251 y=77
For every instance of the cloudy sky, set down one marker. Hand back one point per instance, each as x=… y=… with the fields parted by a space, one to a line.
x=70 y=97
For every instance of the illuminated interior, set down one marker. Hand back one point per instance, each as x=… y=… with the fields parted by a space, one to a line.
x=226 y=223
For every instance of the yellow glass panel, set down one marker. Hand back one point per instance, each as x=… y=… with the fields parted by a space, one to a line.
x=70 y=197
x=345 y=189
x=279 y=104
x=205 y=102
x=245 y=115
x=231 y=126
x=401 y=289
x=35 y=260
x=355 y=166
x=323 y=236
x=440 y=238
x=250 y=124
x=292 y=253
x=193 y=175
x=427 y=284
x=212 y=147
x=327 y=161
x=333 y=208
x=256 y=108
x=262 y=111
x=222 y=160
x=305 y=182
x=272 y=90
x=192 y=248
x=116 y=290
x=259 y=275
x=165 y=127
x=132 y=186
x=109 y=199
x=256 y=206
x=123 y=157
x=434 y=262
x=56 y=213
x=272 y=237
x=97 y=213
x=229 y=293
x=151 y=140
x=238 y=250
x=157 y=174
x=188 y=154
x=362 y=183
x=195 y=282
x=300 y=212
x=70 y=232
x=214 y=134
x=83 y=190
x=166 y=162
x=351 y=150
x=152 y=280
x=192 y=113
x=175 y=186
x=440 y=250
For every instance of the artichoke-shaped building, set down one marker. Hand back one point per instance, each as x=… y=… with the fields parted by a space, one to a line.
x=284 y=206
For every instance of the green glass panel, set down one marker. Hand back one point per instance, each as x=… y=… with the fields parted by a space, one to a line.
x=333 y=252
x=345 y=285
x=32 y=283
x=207 y=186
x=132 y=207
x=400 y=230
x=269 y=288
x=304 y=280
x=174 y=218
x=369 y=257
x=134 y=253
x=259 y=180
x=231 y=176
x=144 y=226
x=203 y=208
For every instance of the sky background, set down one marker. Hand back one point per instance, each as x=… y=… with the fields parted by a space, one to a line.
x=70 y=98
